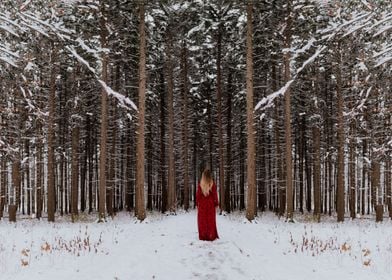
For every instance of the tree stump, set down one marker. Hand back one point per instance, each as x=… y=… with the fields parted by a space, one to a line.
x=379 y=212
x=12 y=213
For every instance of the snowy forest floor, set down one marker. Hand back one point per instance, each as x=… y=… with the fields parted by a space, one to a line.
x=167 y=247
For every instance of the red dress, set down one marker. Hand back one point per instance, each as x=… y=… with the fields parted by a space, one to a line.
x=206 y=216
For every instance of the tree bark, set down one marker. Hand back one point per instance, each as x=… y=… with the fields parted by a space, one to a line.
x=112 y=171
x=75 y=173
x=220 y=126
x=27 y=172
x=352 y=172
x=104 y=120
x=3 y=186
x=185 y=125
x=317 y=174
x=281 y=203
x=340 y=132
x=140 y=210
x=364 y=173
x=287 y=118
x=16 y=180
x=51 y=159
x=388 y=189
x=251 y=149
x=162 y=175
x=171 y=191
x=38 y=182
x=375 y=181
x=149 y=168
x=229 y=143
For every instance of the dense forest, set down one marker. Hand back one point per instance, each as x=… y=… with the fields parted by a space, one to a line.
x=119 y=105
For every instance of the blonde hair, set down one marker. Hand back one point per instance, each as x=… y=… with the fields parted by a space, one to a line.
x=206 y=182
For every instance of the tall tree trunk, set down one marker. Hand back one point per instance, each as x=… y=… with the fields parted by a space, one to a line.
x=39 y=170
x=51 y=159
x=62 y=172
x=90 y=164
x=162 y=175
x=84 y=164
x=251 y=148
x=128 y=171
x=317 y=173
x=220 y=125
x=388 y=189
x=185 y=125
x=287 y=117
x=65 y=184
x=83 y=176
x=352 y=198
x=75 y=173
x=16 y=180
x=27 y=172
x=302 y=146
x=262 y=199
x=195 y=158
x=3 y=186
x=340 y=128
x=376 y=186
x=229 y=141
x=149 y=167
x=111 y=174
x=364 y=172
x=308 y=176
x=171 y=191
x=104 y=121
x=140 y=210
x=281 y=205
x=240 y=201
x=210 y=131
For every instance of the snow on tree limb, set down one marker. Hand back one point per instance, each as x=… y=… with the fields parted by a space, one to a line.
x=9 y=30
x=80 y=59
x=124 y=101
x=7 y=51
x=8 y=61
x=267 y=102
x=382 y=61
x=311 y=59
x=385 y=50
x=49 y=30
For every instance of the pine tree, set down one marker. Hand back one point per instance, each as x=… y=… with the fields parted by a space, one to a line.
x=140 y=209
x=251 y=168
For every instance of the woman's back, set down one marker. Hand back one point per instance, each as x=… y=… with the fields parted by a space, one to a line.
x=206 y=216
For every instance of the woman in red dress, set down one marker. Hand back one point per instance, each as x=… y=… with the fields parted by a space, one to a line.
x=207 y=200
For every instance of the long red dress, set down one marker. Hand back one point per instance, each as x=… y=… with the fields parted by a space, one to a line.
x=206 y=216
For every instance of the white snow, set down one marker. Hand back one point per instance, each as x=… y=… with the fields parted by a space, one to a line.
x=8 y=29
x=6 y=50
x=125 y=101
x=382 y=30
x=196 y=29
x=267 y=101
x=383 y=61
x=167 y=247
x=8 y=61
x=80 y=59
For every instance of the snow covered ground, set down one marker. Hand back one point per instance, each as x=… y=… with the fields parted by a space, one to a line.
x=166 y=247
